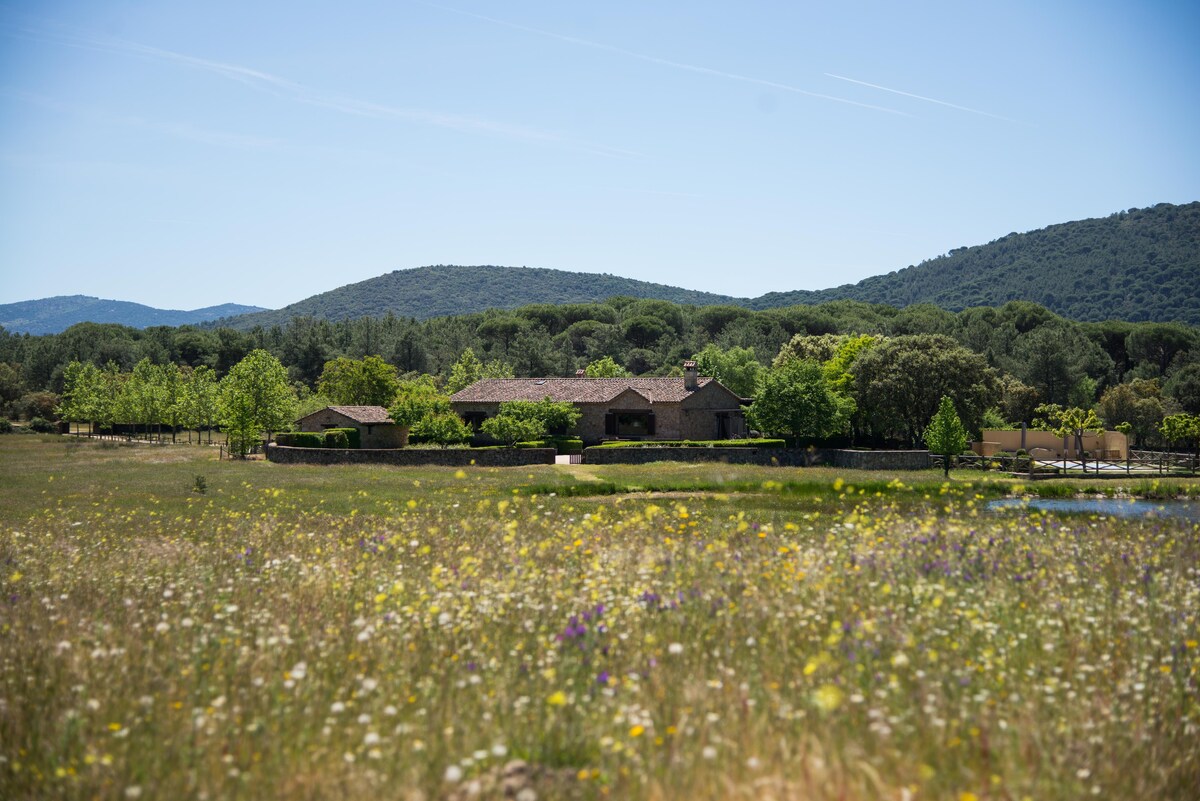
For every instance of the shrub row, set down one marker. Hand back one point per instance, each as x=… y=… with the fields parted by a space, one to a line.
x=330 y=438
x=695 y=443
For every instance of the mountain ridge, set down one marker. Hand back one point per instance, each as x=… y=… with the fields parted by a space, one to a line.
x=55 y=314
x=1135 y=265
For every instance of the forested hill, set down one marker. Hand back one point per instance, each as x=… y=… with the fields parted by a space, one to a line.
x=1142 y=264
x=51 y=315
x=443 y=290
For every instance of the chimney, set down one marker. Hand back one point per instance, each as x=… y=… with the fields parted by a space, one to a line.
x=691 y=375
x=580 y=374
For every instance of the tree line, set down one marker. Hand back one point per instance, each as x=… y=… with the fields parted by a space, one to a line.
x=894 y=365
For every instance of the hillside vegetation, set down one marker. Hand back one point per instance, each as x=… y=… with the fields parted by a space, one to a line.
x=52 y=315
x=443 y=290
x=1142 y=264
x=1138 y=265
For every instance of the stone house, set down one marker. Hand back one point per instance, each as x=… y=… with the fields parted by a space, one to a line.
x=375 y=426
x=672 y=408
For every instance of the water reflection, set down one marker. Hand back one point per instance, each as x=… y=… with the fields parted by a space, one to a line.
x=1109 y=507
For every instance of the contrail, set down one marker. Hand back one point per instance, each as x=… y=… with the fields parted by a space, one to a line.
x=733 y=76
x=920 y=97
x=282 y=87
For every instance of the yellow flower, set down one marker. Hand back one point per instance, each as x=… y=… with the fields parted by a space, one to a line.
x=637 y=731
x=557 y=699
x=828 y=697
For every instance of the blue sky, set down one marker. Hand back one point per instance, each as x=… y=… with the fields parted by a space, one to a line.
x=187 y=154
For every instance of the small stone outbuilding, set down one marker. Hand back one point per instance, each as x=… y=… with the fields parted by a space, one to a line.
x=671 y=408
x=375 y=426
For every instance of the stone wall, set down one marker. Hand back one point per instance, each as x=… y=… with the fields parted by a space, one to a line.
x=780 y=457
x=879 y=460
x=414 y=457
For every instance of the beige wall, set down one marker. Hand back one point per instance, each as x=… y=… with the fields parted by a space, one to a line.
x=1109 y=445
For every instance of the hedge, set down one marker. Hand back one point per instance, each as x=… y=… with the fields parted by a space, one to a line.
x=353 y=437
x=300 y=439
x=695 y=443
x=336 y=438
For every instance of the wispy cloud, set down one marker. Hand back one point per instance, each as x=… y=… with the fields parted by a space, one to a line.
x=919 y=97
x=300 y=93
x=181 y=130
x=732 y=76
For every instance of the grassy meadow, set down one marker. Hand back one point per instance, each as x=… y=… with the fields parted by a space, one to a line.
x=172 y=626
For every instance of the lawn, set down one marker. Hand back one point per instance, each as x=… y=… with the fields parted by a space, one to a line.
x=176 y=626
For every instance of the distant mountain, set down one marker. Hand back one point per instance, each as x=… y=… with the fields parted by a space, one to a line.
x=1141 y=264
x=51 y=315
x=445 y=289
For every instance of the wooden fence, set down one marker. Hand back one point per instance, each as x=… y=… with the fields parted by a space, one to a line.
x=1143 y=463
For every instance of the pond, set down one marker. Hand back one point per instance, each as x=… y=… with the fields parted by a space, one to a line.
x=1109 y=507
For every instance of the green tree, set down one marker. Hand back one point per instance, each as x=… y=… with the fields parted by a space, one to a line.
x=555 y=417
x=837 y=367
x=605 y=367
x=899 y=384
x=255 y=399
x=81 y=393
x=1184 y=387
x=1138 y=403
x=1182 y=429
x=443 y=428
x=1071 y=422
x=414 y=402
x=736 y=368
x=510 y=429
x=201 y=406
x=945 y=434
x=468 y=369
x=795 y=401
x=369 y=381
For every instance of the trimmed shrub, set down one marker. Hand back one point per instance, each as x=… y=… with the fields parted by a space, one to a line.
x=300 y=439
x=336 y=438
x=353 y=437
x=566 y=445
x=714 y=443
x=42 y=426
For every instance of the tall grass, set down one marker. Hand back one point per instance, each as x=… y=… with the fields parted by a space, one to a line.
x=382 y=633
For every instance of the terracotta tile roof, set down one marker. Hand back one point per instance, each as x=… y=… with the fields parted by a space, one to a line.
x=575 y=390
x=367 y=415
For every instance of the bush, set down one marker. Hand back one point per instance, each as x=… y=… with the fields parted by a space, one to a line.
x=336 y=438
x=563 y=445
x=566 y=445
x=353 y=437
x=300 y=439
x=696 y=443
x=5 y=426
x=43 y=426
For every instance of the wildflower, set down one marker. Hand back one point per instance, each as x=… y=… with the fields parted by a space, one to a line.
x=133 y=791
x=828 y=697
x=557 y=699
x=453 y=774
x=637 y=731
x=709 y=752
x=675 y=648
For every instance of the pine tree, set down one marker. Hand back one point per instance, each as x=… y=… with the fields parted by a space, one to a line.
x=945 y=434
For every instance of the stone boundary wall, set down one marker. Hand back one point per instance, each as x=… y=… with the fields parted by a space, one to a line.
x=780 y=457
x=879 y=460
x=413 y=457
